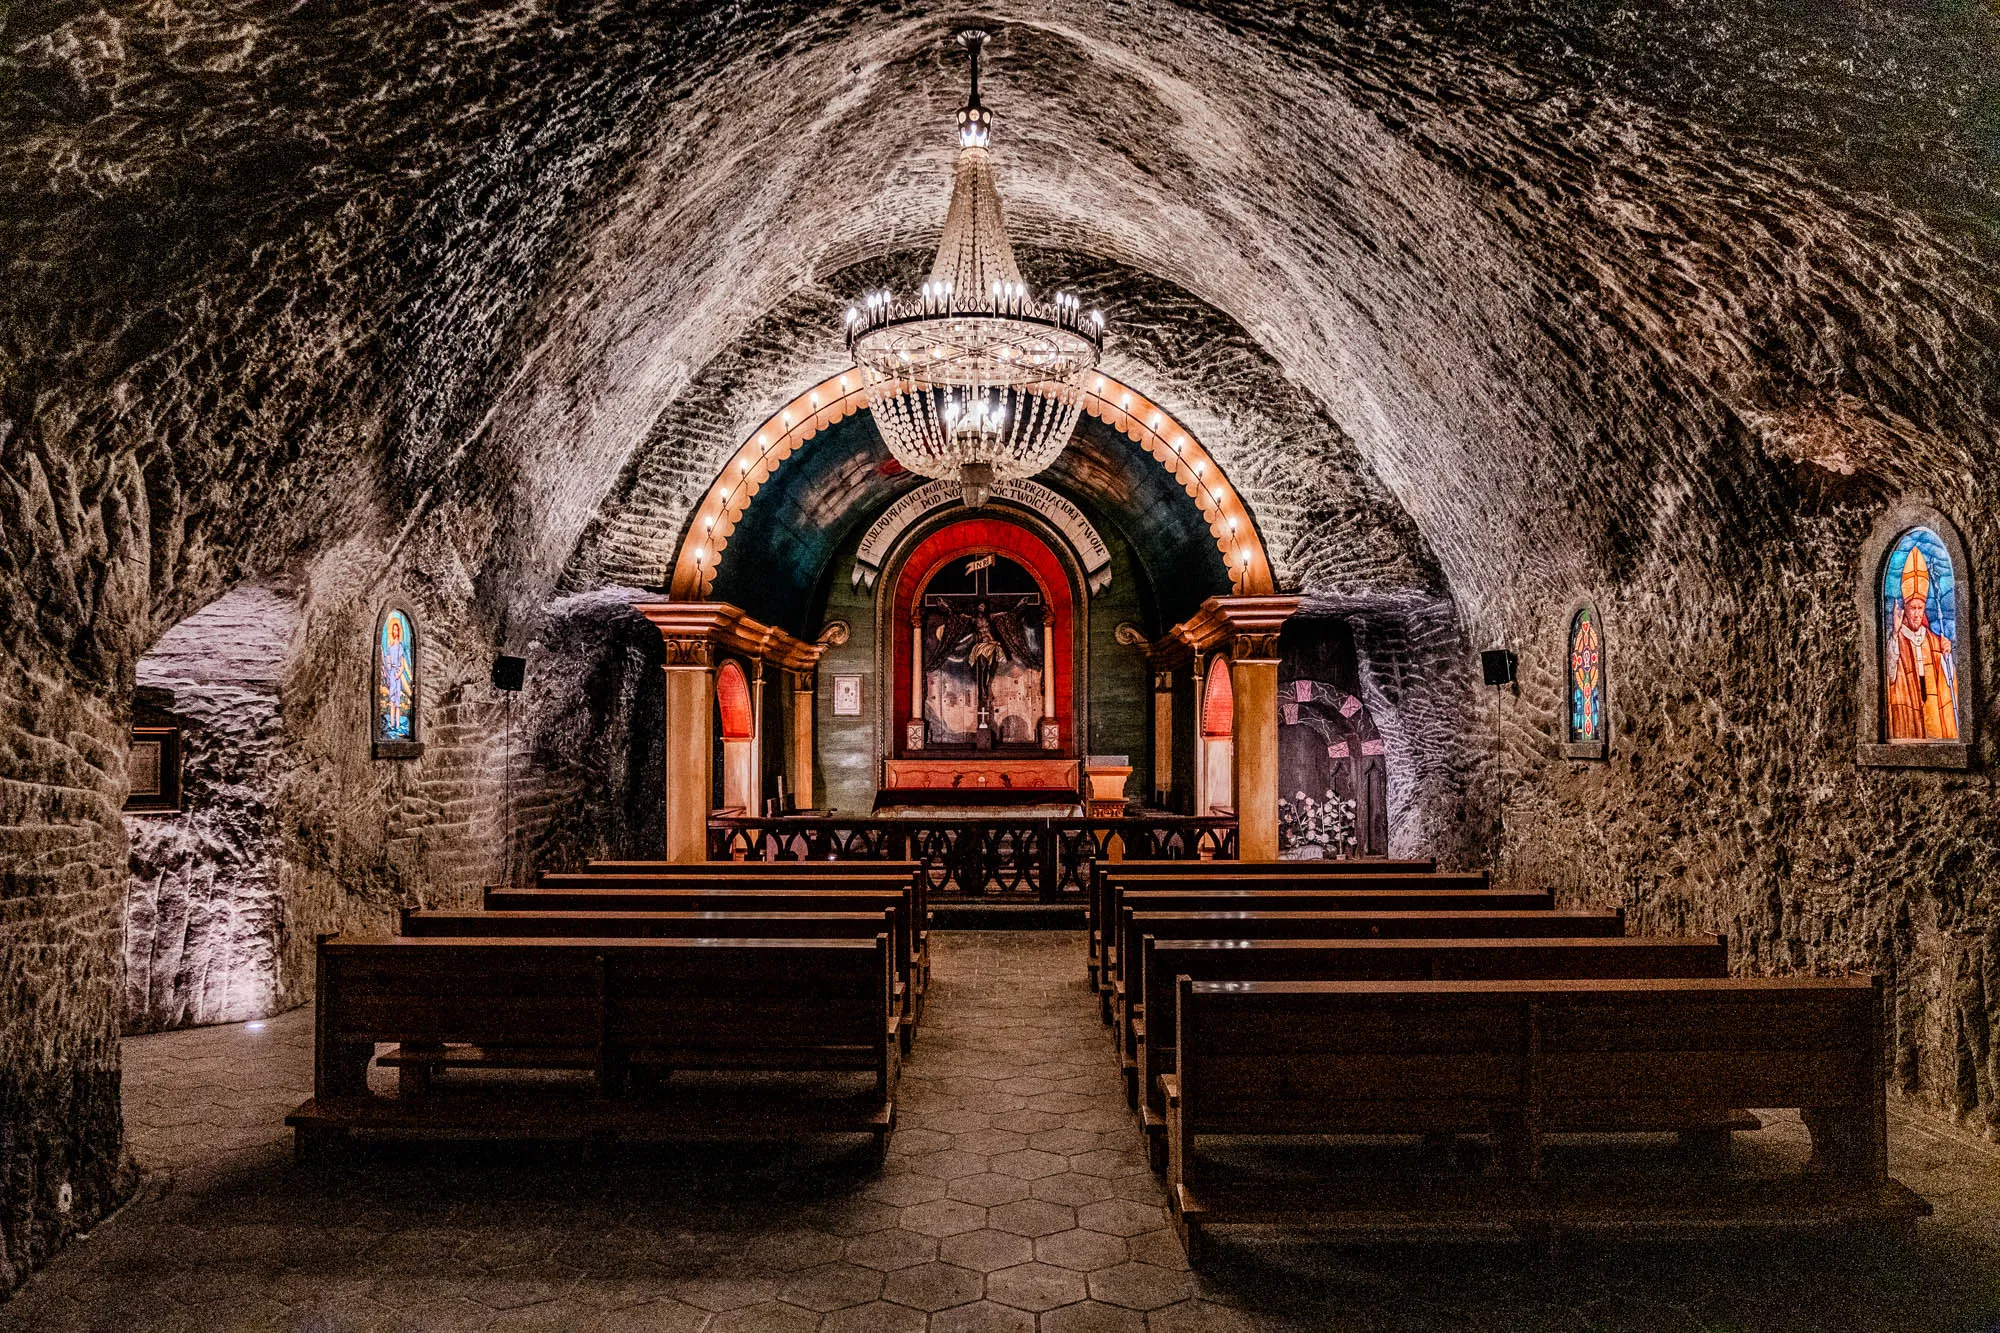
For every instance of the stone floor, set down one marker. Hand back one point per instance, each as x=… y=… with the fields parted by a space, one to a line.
x=1015 y=1198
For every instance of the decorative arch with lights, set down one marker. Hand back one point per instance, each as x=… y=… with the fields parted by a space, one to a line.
x=1117 y=405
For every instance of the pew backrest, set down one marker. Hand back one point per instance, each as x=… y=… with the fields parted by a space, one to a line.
x=1305 y=900
x=1262 y=1057
x=649 y=925
x=752 y=869
x=690 y=1003
x=1117 y=885
x=654 y=896
x=1283 y=925
x=1103 y=871
x=1162 y=962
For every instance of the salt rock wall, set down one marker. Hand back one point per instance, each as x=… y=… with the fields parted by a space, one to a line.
x=1411 y=656
x=204 y=914
x=590 y=731
x=1732 y=800
x=72 y=577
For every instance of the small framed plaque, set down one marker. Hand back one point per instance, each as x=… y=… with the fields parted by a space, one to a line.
x=153 y=770
x=1051 y=734
x=847 y=696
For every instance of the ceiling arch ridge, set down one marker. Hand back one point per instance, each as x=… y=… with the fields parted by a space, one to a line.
x=705 y=542
x=1195 y=363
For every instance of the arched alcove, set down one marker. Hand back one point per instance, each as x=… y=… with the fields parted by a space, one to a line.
x=1215 y=775
x=205 y=915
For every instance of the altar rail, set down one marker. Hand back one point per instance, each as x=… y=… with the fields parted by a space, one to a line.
x=1024 y=859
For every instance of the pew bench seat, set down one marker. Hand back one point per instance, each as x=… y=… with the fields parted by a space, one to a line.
x=445 y=1116
x=671 y=1033
x=1162 y=958
x=1531 y=1059
x=1195 y=871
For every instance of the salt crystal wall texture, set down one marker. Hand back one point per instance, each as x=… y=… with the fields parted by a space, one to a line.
x=204 y=913
x=1663 y=305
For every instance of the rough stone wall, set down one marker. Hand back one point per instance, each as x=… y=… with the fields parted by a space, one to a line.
x=204 y=914
x=72 y=577
x=1732 y=800
x=590 y=731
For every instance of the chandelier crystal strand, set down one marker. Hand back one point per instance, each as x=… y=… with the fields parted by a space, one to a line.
x=975 y=379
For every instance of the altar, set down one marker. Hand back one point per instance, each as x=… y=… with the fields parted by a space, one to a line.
x=976 y=774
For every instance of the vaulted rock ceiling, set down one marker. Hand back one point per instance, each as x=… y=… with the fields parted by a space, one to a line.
x=1554 y=269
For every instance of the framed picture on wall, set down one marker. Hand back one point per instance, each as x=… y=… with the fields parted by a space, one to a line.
x=847 y=696
x=153 y=767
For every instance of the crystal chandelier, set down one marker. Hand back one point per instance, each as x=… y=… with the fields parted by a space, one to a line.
x=975 y=379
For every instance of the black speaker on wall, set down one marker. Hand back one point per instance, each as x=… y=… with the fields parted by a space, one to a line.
x=509 y=673
x=1498 y=664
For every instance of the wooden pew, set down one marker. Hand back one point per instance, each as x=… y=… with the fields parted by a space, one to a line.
x=758 y=870
x=1411 y=923
x=609 y=1007
x=797 y=876
x=667 y=925
x=433 y=922
x=1408 y=893
x=1117 y=885
x=1525 y=1060
x=906 y=868
x=608 y=894
x=1160 y=962
x=1098 y=913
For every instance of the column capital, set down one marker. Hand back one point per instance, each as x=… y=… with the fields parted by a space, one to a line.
x=690 y=655
x=726 y=627
x=1224 y=622
x=1261 y=646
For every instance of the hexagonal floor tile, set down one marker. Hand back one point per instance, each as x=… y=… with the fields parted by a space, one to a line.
x=1035 y=1286
x=1085 y=1251
x=982 y=1317
x=943 y=1217
x=987 y=1189
x=875 y=1317
x=986 y=1249
x=1031 y=1217
x=1141 y=1286
x=934 y=1286
x=1030 y=1164
x=1093 y=1317
x=891 y=1249
x=831 y=1286
x=1120 y=1217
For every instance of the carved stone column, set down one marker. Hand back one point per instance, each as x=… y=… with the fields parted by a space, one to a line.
x=1246 y=629
x=755 y=777
x=692 y=633
x=690 y=743
x=1199 y=806
x=805 y=688
x=1253 y=674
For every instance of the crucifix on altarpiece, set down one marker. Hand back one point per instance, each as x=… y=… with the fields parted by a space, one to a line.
x=989 y=628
